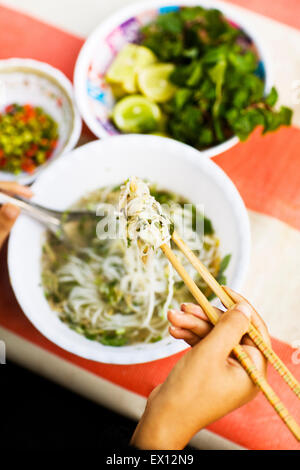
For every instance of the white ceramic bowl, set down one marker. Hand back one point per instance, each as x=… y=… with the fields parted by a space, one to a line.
x=171 y=164
x=29 y=81
x=93 y=94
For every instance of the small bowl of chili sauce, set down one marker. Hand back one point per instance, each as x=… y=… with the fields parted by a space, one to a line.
x=39 y=120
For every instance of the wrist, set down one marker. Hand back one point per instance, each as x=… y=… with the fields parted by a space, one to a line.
x=160 y=429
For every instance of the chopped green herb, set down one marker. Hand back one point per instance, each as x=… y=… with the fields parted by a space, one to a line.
x=28 y=138
x=224 y=263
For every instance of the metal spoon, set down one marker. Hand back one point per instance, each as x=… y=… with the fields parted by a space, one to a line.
x=54 y=220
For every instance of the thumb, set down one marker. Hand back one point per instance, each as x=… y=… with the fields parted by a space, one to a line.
x=230 y=329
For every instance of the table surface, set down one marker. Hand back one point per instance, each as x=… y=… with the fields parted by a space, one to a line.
x=265 y=170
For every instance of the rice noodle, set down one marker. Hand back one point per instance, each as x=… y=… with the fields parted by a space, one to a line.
x=145 y=222
x=104 y=291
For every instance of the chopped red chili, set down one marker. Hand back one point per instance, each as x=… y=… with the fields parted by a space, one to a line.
x=28 y=138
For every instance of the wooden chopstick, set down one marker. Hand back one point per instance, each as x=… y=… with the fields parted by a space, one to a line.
x=228 y=302
x=238 y=351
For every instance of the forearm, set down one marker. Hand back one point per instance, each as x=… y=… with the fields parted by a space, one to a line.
x=160 y=431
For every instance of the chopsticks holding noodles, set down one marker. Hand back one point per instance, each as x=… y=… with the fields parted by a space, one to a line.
x=238 y=351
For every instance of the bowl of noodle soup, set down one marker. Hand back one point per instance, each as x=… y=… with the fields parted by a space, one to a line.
x=98 y=299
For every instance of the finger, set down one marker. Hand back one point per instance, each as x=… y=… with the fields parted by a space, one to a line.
x=257 y=358
x=239 y=373
x=194 y=309
x=189 y=322
x=187 y=336
x=16 y=188
x=229 y=330
x=8 y=215
x=256 y=320
x=246 y=387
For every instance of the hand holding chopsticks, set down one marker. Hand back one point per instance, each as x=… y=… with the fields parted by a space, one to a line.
x=238 y=351
x=205 y=384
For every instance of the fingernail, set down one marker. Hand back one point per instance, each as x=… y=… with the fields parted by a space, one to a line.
x=244 y=308
x=187 y=304
x=192 y=309
x=10 y=211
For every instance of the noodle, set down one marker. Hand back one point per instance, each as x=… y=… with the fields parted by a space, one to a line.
x=102 y=289
x=145 y=222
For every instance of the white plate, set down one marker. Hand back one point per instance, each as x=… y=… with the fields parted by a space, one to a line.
x=29 y=81
x=171 y=164
x=93 y=94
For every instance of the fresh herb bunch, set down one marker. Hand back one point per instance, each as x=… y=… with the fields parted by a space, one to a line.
x=219 y=91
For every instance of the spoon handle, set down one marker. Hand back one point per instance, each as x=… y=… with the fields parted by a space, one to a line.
x=45 y=216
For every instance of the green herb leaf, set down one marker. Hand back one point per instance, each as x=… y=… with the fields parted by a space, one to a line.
x=224 y=264
x=170 y=22
x=244 y=63
x=208 y=227
x=272 y=97
x=217 y=75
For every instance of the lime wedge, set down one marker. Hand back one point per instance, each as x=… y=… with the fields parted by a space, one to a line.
x=153 y=81
x=127 y=63
x=136 y=114
x=117 y=90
